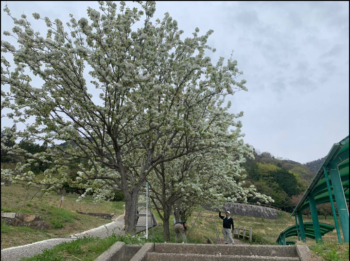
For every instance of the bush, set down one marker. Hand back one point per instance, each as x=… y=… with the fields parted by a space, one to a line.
x=118 y=196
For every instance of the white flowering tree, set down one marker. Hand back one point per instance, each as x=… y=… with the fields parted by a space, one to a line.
x=206 y=178
x=153 y=97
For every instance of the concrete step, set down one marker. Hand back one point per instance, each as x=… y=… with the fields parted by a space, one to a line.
x=153 y=256
x=228 y=250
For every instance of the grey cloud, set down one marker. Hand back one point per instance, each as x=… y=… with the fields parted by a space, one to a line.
x=329 y=67
x=335 y=50
x=248 y=17
x=278 y=85
x=302 y=67
x=303 y=84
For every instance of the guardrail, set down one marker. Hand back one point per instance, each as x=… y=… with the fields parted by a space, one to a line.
x=242 y=232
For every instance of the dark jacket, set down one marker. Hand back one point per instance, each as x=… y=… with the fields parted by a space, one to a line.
x=227 y=222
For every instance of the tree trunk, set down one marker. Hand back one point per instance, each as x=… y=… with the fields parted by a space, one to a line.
x=130 y=211
x=183 y=216
x=166 y=230
x=166 y=223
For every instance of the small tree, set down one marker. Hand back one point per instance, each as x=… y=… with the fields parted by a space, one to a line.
x=325 y=209
x=202 y=179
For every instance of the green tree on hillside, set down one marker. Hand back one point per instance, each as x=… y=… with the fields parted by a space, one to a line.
x=287 y=181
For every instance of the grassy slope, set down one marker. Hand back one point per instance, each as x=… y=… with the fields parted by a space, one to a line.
x=269 y=229
x=265 y=231
x=15 y=198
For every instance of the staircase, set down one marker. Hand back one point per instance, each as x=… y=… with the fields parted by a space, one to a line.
x=206 y=252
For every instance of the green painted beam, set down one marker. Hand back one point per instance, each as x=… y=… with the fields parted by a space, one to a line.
x=301 y=226
x=339 y=194
x=336 y=150
x=297 y=226
x=314 y=217
x=332 y=205
x=322 y=185
x=309 y=231
x=324 y=198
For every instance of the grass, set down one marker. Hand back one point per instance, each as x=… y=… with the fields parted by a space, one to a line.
x=64 y=221
x=10 y=229
x=265 y=231
x=331 y=251
x=87 y=248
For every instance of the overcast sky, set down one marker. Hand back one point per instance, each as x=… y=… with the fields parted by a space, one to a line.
x=294 y=56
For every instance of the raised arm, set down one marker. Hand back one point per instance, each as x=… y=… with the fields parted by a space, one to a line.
x=220 y=215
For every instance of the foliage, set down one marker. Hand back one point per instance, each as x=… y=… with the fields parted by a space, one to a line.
x=118 y=196
x=286 y=181
x=331 y=251
x=202 y=178
x=325 y=209
x=7 y=140
x=303 y=172
x=314 y=166
x=295 y=199
x=271 y=177
x=159 y=98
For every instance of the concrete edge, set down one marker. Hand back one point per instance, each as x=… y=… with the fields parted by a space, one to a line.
x=115 y=252
x=236 y=246
x=61 y=240
x=182 y=256
x=94 y=229
x=303 y=252
x=142 y=253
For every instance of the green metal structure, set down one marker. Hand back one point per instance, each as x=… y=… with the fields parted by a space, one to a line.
x=330 y=183
x=309 y=232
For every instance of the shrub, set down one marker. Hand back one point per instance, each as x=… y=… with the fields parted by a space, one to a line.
x=118 y=196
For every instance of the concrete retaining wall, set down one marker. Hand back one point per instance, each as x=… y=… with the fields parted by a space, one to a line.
x=250 y=250
x=114 y=253
x=141 y=255
x=248 y=210
x=119 y=252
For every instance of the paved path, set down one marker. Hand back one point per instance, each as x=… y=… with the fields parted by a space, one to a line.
x=17 y=253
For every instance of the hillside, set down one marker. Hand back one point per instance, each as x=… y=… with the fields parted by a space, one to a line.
x=279 y=178
x=314 y=166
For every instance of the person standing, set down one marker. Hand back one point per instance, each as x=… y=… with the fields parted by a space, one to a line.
x=227 y=223
x=180 y=228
